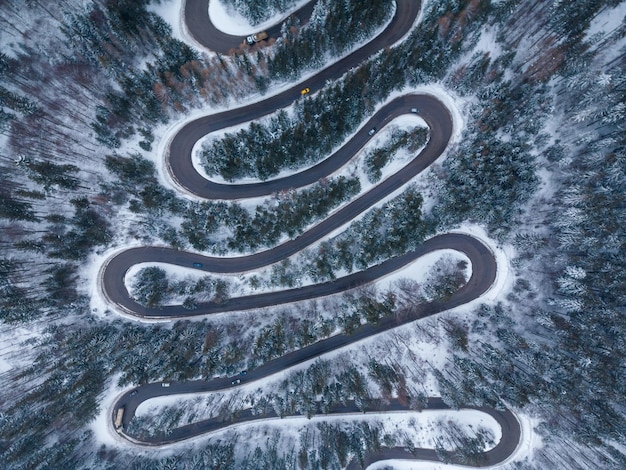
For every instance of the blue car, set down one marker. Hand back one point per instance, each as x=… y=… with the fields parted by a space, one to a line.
x=197 y=265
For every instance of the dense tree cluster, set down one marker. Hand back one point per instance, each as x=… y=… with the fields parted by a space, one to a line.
x=315 y=129
x=116 y=37
x=292 y=212
x=493 y=173
x=466 y=449
x=67 y=394
x=136 y=177
x=16 y=306
x=349 y=312
x=444 y=279
x=390 y=230
x=318 y=389
x=287 y=214
x=13 y=207
x=152 y=288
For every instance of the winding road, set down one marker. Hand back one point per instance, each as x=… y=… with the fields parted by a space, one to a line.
x=180 y=165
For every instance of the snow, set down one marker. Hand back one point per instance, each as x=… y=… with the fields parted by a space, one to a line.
x=428 y=353
x=419 y=269
x=91 y=270
x=102 y=425
x=488 y=43
x=228 y=22
x=547 y=187
x=164 y=134
x=421 y=427
x=607 y=21
x=231 y=22
x=12 y=341
x=604 y=30
x=453 y=103
x=404 y=121
x=172 y=270
x=172 y=12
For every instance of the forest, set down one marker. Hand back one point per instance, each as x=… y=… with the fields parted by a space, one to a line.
x=86 y=91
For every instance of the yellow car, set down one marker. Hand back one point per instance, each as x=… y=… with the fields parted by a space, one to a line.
x=305 y=91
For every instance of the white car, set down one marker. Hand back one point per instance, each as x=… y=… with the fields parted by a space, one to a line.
x=372 y=131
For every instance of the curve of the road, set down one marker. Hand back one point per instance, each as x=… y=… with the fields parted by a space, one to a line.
x=183 y=172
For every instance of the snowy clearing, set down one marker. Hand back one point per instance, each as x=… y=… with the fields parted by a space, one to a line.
x=231 y=22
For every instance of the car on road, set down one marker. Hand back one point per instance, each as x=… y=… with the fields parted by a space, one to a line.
x=134 y=392
x=165 y=384
x=372 y=131
x=305 y=91
x=236 y=382
x=197 y=265
x=414 y=110
x=243 y=372
x=254 y=38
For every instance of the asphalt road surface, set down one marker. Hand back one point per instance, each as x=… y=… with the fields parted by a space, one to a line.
x=484 y=266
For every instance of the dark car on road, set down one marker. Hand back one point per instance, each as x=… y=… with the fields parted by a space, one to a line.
x=197 y=265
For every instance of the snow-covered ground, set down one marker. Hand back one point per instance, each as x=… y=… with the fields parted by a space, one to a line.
x=172 y=12
x=231 y=22
x=419 y=271
x=406 y=122
x=607 y=21
x=12 y=340
x=102 y=425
